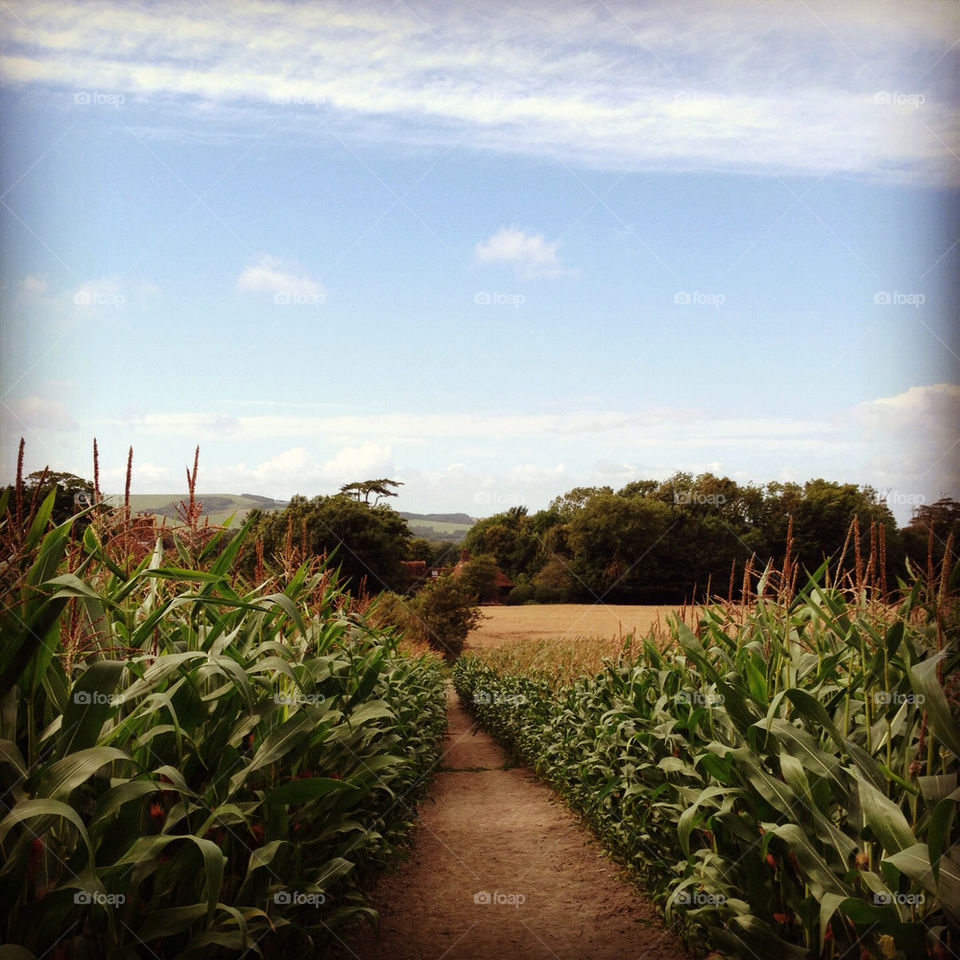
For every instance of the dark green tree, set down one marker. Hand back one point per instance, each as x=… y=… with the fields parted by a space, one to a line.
x=479 y=576
x=368 y=543
x=73 y=492
x=444 y=612
x=379 y=489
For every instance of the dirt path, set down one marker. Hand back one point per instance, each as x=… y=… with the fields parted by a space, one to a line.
x=553 y=893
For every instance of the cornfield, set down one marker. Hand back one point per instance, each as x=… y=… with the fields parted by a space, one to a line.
x=783 y=777
x=191 y=766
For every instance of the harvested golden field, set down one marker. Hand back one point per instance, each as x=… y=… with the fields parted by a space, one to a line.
x=567 y=621
x=562 y=640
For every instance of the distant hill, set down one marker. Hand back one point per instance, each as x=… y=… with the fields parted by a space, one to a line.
x=220 y=507
x=439 y=526
x=441 y=517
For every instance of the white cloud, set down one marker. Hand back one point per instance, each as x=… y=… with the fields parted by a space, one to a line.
x=99 y=294
x=33 y=287
x=529 y=253
x=356 y=463
x=287 y=281
x=905 y=443
x=742 y=85
x=912 y=441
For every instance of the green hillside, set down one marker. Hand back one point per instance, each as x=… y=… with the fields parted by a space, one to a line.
x=221 y=507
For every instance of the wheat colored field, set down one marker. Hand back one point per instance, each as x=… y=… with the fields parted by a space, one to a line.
x=567 y=621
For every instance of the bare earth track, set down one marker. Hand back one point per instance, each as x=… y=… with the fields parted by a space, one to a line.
x=500 y=831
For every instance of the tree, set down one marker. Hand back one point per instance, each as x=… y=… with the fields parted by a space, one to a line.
x=928 y=531
x=618 y=545
x=420 y=548
x=368 y=543
x=73 y=492
x=554 y=583
x=825 y=514
x=445 y=611
x=380 y=488
x=479 y=576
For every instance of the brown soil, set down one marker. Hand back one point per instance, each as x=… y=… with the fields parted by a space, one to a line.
x=500 y=831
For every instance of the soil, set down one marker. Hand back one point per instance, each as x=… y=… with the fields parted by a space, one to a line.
x=551 y=891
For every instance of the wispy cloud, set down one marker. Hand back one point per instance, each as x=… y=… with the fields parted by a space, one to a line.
x=528 y=253
x=861 y=87
x=904 y=444
x=288 y=282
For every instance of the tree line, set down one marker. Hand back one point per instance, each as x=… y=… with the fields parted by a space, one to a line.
x=658 y=541
x=652 y=541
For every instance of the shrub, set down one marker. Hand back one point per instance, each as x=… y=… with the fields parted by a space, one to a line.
x=445 y=611
x=520 y=594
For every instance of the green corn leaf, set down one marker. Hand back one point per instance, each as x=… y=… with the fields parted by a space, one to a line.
x=90 y=703
x=26 y=810
x=147 y=848
x=938 y=832
x=60 y=778
x=925 y=682
x=885 y=819
x=303 y=791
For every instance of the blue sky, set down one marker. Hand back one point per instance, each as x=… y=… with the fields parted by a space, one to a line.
x=492 y=252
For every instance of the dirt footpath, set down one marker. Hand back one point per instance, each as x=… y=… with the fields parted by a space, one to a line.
x=501 y=870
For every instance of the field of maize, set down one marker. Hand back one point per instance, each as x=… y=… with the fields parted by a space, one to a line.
x=191 y=766
x=783 y=776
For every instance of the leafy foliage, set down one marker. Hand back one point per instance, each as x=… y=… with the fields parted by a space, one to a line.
x=663 y=541
x=785 y=777
x=444 y=612
x=368 y=544
x=189 y=766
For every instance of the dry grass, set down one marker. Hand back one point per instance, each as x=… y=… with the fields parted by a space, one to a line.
x=564 y=640
x=566 y=621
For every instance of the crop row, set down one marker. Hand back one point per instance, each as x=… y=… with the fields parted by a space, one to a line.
x=785 y=780
x=190 y=767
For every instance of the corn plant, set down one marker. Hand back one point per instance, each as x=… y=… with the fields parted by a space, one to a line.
x=191 y=766
x=785 y=778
